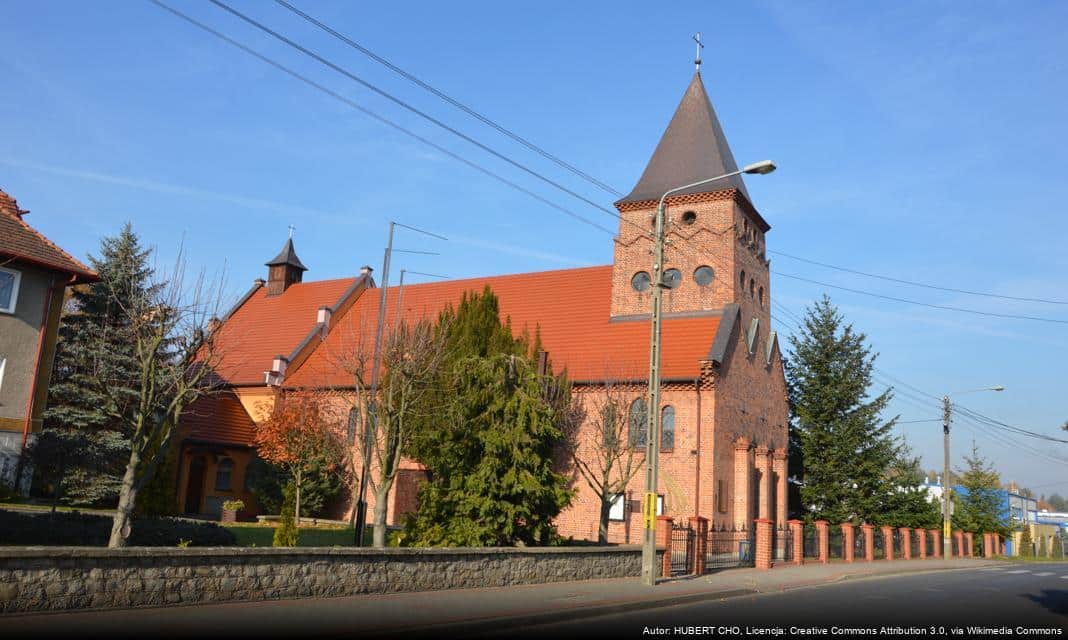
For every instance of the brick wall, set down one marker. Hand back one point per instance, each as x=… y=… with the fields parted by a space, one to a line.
x=69 y=578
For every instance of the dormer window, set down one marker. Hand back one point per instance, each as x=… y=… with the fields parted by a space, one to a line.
x=9 y=289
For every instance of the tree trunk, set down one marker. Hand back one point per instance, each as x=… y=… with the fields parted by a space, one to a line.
x=297 y=507
x=602 y=528
x=122 y=522
x=381 y=511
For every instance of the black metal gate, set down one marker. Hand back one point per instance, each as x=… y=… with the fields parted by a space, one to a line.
x=727 y=548
x=811 y=542
x=783 y=543
x=914 y=544
x=899 y=549
x=682 y=549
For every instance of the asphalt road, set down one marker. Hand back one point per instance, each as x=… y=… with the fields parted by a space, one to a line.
x=1033 y=596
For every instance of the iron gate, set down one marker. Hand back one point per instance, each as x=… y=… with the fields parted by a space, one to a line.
x=682 y=549
x=727 y=548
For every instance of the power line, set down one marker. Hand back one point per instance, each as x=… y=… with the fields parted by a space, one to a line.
x=454 y=102
x=379 y=118
x=916 y=284
x=401 y=103
x=923 y=304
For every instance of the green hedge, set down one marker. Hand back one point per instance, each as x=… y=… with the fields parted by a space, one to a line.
x=84 y=530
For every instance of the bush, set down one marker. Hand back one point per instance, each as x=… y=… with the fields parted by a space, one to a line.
x=287 y=532
x=233 y=505
x=1027 y=547
x=79 y=529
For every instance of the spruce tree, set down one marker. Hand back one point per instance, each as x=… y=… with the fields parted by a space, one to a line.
x=488 y=438
x=88 y=449
x=981 y=507
x=847 y=449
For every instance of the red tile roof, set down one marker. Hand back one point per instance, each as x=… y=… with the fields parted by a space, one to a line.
x=22 y=242
x=219 y=418
x=266 y=326
x=571 y=307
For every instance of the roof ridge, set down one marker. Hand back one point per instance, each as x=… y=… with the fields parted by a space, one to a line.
x=18 y=218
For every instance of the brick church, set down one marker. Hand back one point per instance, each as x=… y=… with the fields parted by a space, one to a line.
x=723 y=401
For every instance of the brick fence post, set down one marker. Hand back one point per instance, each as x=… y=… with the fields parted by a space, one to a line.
x=988 y=545
x=869 y=542
x=888 y=541
x=936 y=543
x=821 y=540
x=958 y=536
x=798 y=533
x=921 y=539
x=906 y=542
x=969 y=544
x=847 y=541
x=763 y=543
x=663 y=539
x=699 y=524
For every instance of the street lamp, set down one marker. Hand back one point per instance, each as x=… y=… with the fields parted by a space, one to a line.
x=947 y=411
x=652 y=432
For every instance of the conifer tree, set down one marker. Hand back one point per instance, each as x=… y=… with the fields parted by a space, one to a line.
x=981 y=507
x=907 y=503
x=847 y=449
x=87 y=447
x=1027 y=545
x=490 y=440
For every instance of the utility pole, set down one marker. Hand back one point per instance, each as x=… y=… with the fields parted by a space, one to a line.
x=370 y=426
x=947 y=542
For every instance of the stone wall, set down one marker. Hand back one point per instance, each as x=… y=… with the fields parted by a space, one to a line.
x=68 y=578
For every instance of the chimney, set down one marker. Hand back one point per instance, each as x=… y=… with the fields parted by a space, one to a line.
x=277 y=374
x=366 y=270
x=285 y=270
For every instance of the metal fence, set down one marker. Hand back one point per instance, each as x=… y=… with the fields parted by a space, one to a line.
x=729 y=547
x=879 y=546
x=914 y=544
x=860 y=548
x=836 y=543
x=811 y=542
x=899 y=550
x=930 y=541
x=682 y=549
x=783 y=542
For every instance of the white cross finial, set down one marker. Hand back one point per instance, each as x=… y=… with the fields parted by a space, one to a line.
x=697 y=39
x=291 y=230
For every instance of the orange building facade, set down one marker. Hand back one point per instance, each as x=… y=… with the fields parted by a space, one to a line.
x=723 y=402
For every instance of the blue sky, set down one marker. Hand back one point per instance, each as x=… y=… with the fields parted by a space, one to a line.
x=920 y=140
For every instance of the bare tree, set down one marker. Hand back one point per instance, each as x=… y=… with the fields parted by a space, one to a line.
x=173 y=357
x=601 y=447
x=410 y=359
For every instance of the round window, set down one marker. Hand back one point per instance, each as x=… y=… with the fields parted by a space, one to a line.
x=703 y=275
x=672 y=278
x=689 y=218
x=640 y=281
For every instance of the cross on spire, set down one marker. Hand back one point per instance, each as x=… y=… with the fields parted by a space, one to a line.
x=697 y=60
x=291 y=230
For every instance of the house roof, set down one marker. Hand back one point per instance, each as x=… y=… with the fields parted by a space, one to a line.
x=288 y=255
x=692 y=148
x=571 y=308
x=22 y=242
x=263 y=326
x=219 y=418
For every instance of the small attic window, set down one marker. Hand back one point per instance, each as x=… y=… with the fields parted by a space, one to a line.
x=689 y=218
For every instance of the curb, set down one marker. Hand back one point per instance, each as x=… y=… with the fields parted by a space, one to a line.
x=490 y=627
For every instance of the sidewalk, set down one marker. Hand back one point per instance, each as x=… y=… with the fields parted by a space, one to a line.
x=467 y=611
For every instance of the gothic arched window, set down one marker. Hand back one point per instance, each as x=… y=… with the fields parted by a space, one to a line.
x=638 y=423
x=667 y=428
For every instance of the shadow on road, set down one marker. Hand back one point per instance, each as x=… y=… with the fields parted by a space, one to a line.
x=1056 y=600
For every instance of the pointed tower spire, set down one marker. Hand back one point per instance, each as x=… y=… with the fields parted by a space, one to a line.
x=692 y=148
x=284 y=270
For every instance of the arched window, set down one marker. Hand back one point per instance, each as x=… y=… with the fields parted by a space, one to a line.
x=752 y=287
x=223 y=473
x=638 y=419
x=760 y=297
x=741 y=281
x=667 y=428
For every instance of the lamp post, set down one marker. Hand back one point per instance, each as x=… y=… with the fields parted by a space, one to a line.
x=947 y=418
x=652 y=431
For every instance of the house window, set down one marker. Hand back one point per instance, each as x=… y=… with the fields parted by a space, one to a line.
x=617 y=511
x=223 y=473
x=667 y=428
x=9 y=289
x=660 y=505
x=638 y=423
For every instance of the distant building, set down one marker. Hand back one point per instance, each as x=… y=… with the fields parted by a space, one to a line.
x=34 y=275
